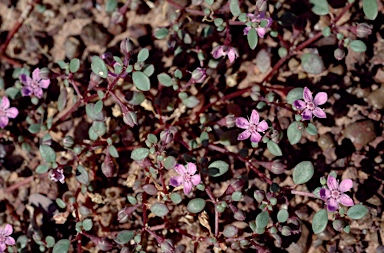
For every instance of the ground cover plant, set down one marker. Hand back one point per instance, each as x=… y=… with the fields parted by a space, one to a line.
x=191 y=126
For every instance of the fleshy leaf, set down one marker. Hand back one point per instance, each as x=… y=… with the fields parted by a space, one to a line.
x=159 y=209
x=274 y=148
x=139 y=154
x=98 y=67
x=358 y=46
x=294 y=133
x=196 y=205
x=319 y=221
x=303 y=172
x=217 y=168
x=320 y=7
x=141 y=81
x=312 y=63
x=262 y=219
x=62 y=246
x=252 y=38
x=234 y=7
x=370 y=9
x=124 y=236
x=357 y=211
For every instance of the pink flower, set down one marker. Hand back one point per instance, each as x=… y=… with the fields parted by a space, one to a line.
x=187 y=177
x=310 y=106
x=335 y=193
x=35 y=85
x=253 y=127
x=5 y=238
x=220 y=51
x=57 y=175
x=6 y=112
x=258 y=18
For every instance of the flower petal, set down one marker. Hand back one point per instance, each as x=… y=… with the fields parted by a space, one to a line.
x=306 y=114
x=26 y=80
x=307 y=95
x=8 y=230
x=262 y=126
x=12 y=112
x=187 y=187
x=255 y=137
x=3 y=121
x=261 y=31
x=242 y=123
x=26 y=91
x=332 y=205
x=176 y=181
x=44 y=83
x=36 y=75
x=217 y=52
x=4 y=103
x=300 y=104
x=254 y=117
x=10 y=241
x=244 y=135
x=318 y=112
x=246 y=30
x=324 y=193
x=269 y=22
x=191 y=168
x=345 y=185
x=320 y=98
x=38 y=92
x=231 y=55
x=180 y=169
x=332 y=183
x=346 y=200
x=2 y=247
x=196 y=179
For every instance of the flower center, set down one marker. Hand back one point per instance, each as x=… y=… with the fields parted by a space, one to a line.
x=2 y=238
x=335 y=194
x=252 y=128
x=311 y=106
x=35 y=85
x=2 y=113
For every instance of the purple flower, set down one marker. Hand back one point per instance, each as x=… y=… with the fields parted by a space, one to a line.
x=35 y=85
x=187 y=177
x=57 y=175
x=252 y=127
x=220 y=51
x=335 y=193
x=258 y=18
x=6 y=112
x=310 y=106
x=5 y=238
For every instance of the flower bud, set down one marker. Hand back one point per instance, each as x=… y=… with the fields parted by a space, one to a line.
x=166 y=137
x=239 y=215
x=68 y=141
x=126 y=46
x=116 y=18
x=339 y=54
x=130 y=118
x=44 y=73
x=199 y=75
x=102 y=243
x=124 y=214
x=228 y=121
x=362 y=30
x=261 y=5
x=167 y=246
x=259 y=195
x=107 y=166
x=337 y=225
x=286 y=231
x=278 y=167
x=108 y=58
x=94 y=80
x=124 y=250
x=57 y=175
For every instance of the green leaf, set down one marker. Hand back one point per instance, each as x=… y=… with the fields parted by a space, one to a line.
x=90 y=111
x=99 y=128
x=41 y=169
x=230 y=231
x=358 y=46
x=110 y=5
x=98 y=107
x=82 y=175
x=159 y=209
x=282 y=215
x=98 y=67
x=87 y=224
x=161 y=33
x=303 y=172
x=62 y=246
x=294 y=133
x=62 y=100
x=12 y=92
x=217 y=168
x=113 y=151
x=370 y=9
x=47 y=153
x=137 y=98
x=34 y=128
x=139 y=154
x=319 y=221
x=176 y=198
x=311 y=129
x=357 y=211
x=165 y=79
x=312 y=63
x=234 y=7
x=141 y=81
x=196 y=205
x=170 y=162
x=148 y=70
x=60 y=203
x=274 y=148
x=124 y=236
x=143 y=55
x=262 y=219
x=50 y=241
x=191 y=102
x=74 y=65
x=320 y=7
x=252 y=38
x=294 y=94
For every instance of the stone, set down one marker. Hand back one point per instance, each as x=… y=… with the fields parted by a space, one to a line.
x=360 y=133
